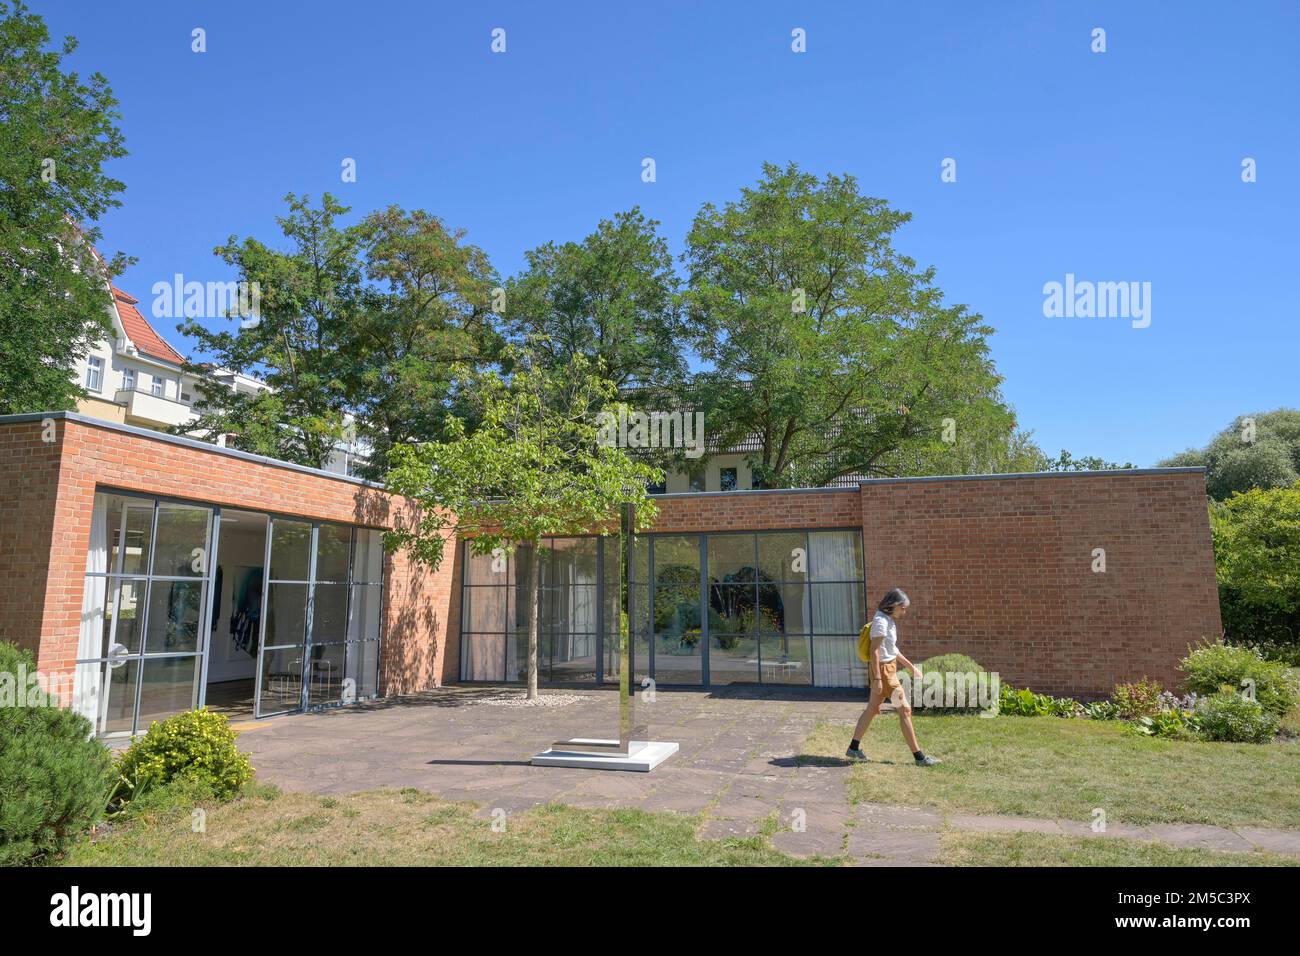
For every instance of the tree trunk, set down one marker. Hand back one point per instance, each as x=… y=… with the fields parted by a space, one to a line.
x=530 y=597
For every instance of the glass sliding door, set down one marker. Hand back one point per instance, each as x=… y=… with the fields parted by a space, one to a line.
x=145 y=606
x=322 y=616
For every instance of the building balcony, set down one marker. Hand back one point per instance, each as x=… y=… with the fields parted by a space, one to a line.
x=153 y=411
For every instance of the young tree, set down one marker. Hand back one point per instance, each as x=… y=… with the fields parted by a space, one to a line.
x=56 y=134
x=310 y=298
x=825 y=343
x=534 y=468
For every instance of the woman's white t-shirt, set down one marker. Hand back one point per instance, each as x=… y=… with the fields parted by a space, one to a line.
x=883 y=626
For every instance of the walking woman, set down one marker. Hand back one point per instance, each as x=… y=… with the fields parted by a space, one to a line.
x=882 y=667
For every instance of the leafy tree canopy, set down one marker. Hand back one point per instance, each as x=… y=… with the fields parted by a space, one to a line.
x=1255 y=451
x=56 y=134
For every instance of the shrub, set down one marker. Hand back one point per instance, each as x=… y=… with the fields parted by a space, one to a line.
x=1257 y=564
x=1025 y=703
x=1100 y=710
x=1178 y=724
x=197 y=744
x=950 y=664
x=53 y=775
x=1230 y=716
x=1212 y=666
x=1141 y=699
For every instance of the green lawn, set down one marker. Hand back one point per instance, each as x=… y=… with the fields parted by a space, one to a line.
x=1059 y=768
x=265 y=827
x=1045 y=849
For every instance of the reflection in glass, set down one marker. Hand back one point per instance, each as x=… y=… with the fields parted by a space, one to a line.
x=785 y=659
x=368 y=559
x=290 y=550
x=282 y=670
x=175 y=611
x=333 y=552
x=325 y=674
x=483 y=657
x=181 y=549
x=169 y=686
x=367 y=603
x=132 y=548
x=782 y=555
x=286 y=614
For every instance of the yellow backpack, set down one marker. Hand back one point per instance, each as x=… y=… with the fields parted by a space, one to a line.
x=864 y=644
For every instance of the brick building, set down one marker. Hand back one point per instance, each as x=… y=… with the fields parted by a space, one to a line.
x=150 y=574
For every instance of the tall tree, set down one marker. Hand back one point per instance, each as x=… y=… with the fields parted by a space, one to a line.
x=56 y=134
x=427 y=311
x=825 y=343
x=310 y=296
x=534 y=468
x=1255 y=451
x=610 y=298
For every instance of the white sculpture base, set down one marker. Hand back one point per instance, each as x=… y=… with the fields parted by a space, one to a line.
x=645 y=756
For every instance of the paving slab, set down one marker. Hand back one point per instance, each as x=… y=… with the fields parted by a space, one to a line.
x=1200 y=835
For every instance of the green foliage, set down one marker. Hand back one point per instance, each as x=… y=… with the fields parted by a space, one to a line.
x=197 y=745
x=1257 y=562
x=830 y=347
x=53 y=775
x=534 y=468
x=1100 y=710
x=1025 y=703
x=1211 y=667
x=1177 y=724
x=1229 y=716
x=1067 y=462
x=950 y=664
x=1255 y=451
x=1141 y=699
x=56 y=135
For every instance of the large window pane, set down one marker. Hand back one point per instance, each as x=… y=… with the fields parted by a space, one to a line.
x=838 y=608
x=489 y=609
x=367 y=605
x=835 y=661
x=106 y=694
x=835 y=555
x=333 y=552
x=181 y=548
x=483 y=657
x=785 y=659
x=368 y=557
x=325 y=674
x=783 y=555
x=329 y=616
x=175 y=614
x=126 y=609
x=132 y=546
x=281 y=680
x=286 y=614
x=489 y=569
x=290 y=550
x=732 y=609
x=733 y=657
x=784 y=608
x=169 y=685
x=731 y=557
x=363 y=668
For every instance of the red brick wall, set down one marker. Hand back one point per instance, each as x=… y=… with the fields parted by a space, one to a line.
x=49 y=494
x=1001 y=570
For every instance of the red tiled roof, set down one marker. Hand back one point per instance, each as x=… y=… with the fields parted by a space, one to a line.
x=140 y=332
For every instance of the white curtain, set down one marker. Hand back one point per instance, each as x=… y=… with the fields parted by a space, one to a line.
x=87 y=691
x=835 y=608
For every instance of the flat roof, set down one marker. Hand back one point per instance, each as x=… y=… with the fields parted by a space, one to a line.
x=184 y=442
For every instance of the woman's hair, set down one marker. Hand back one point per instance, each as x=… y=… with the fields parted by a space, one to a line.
x=895 y=598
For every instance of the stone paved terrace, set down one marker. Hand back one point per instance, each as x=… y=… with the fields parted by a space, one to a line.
x=736 y=766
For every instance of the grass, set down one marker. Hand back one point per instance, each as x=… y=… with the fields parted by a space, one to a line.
x=1045 y=849
x=1062 y=768
x=265 y=827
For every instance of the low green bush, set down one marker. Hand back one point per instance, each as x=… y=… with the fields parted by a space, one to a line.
x=53 y=774
x=1229 y=716
x=950 y=664
x=1210 y=667
x=197 y=744
x=1025 y=703
x=1140 y=699
x=1176 y=724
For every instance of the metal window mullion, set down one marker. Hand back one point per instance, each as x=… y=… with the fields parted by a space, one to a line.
x=311 y=608
x=703 y=602
x=205 y=639
x=262 y=617
x=144 y=625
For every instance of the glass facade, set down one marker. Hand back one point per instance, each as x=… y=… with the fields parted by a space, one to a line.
x=148 y=611
x=769 y=607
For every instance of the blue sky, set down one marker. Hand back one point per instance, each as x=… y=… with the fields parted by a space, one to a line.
x=1115 y=166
